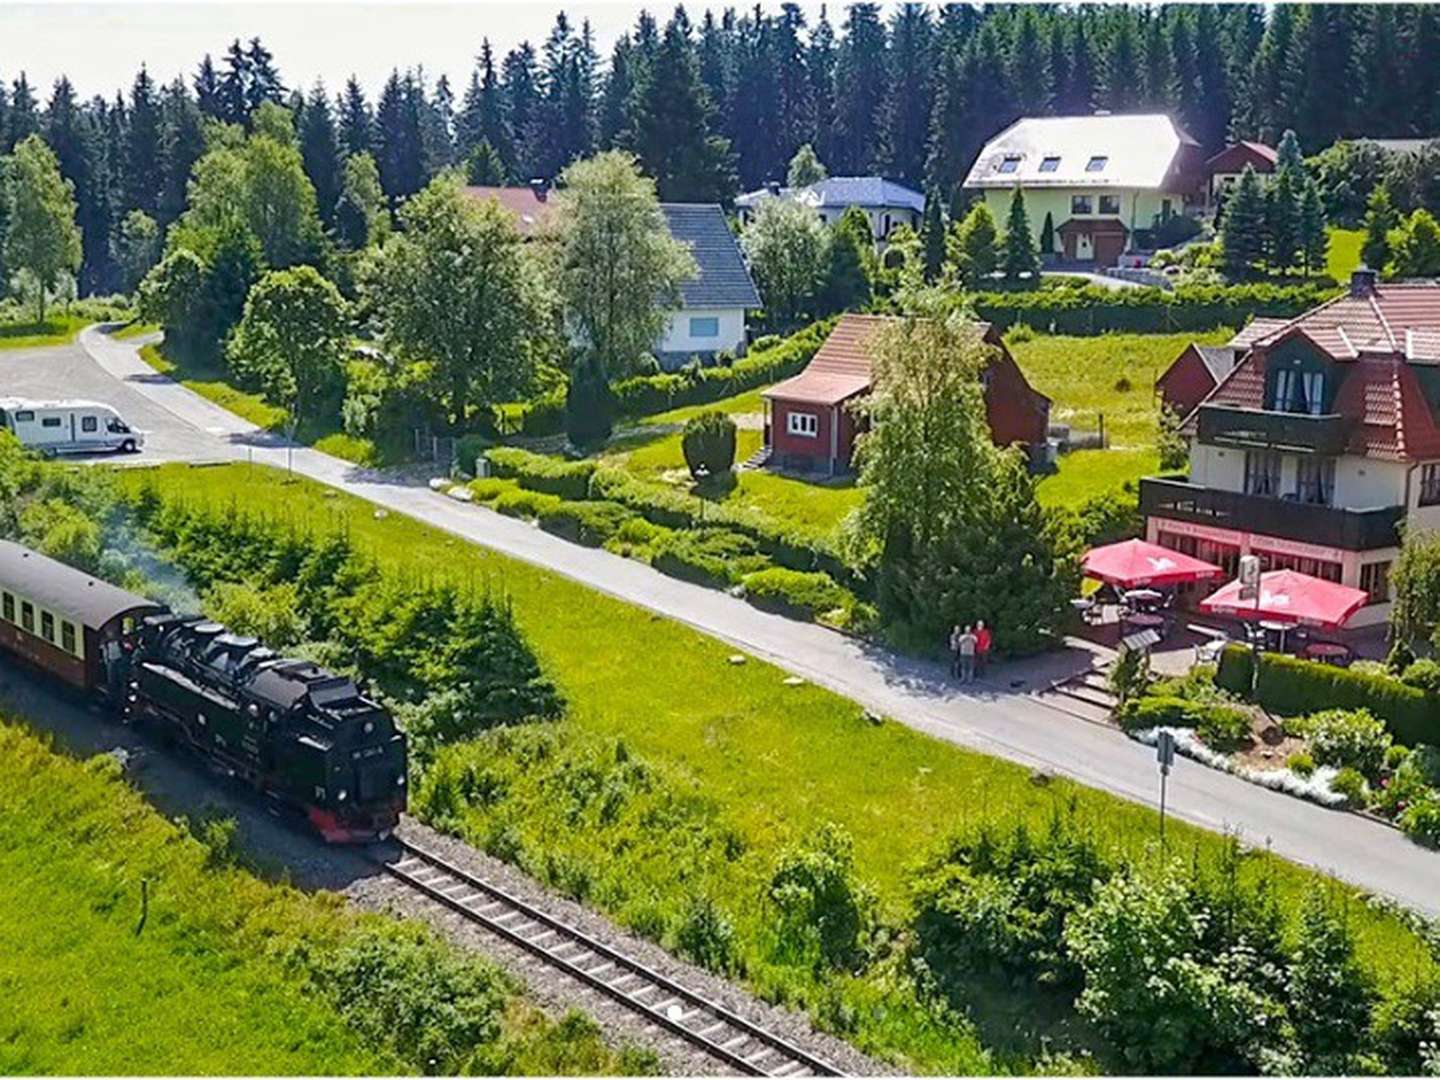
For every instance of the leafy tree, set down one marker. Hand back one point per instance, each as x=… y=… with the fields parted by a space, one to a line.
x=360 y=216
x=788 y=249
x=620 y=270
x=806 y=168
x=950 y=524
x=1329 y=996
x=1381 y=219
x=292 y=340
x=1242 y=232
x=42 y=239
x=1418 y=252
x=972 y=249
x=457 y=289
x=173 y=295
x=137 y=248
x=708 y=444
x=1173 y=446
x=1415 y=584
x=1018 y=256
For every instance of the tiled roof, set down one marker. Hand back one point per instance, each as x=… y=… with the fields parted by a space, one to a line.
x=723 y=281
x=1138 y=150
x=533 y=210
x=1257 y=328
x=1366 y=321
x=1236 y=152
x=840 y=370
x=838 y=192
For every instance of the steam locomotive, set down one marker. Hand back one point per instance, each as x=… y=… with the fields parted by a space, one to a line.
x=299 y=734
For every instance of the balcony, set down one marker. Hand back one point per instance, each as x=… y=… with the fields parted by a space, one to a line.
x=1326 y=526
x=1224 y=425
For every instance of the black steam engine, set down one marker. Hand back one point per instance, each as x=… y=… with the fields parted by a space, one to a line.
x=299 y=734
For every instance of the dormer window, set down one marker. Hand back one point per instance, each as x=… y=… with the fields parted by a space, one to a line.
x=1298 y=391
x=1009 y=164
x=1097 y=163
x=1050 y=164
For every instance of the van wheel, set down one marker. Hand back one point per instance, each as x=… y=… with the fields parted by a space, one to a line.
x=128 y=447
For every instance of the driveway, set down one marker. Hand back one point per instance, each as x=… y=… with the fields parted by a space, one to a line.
x=1001 y=720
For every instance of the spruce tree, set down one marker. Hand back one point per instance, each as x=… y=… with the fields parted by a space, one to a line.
x=24 y=111
x=911 y=92
x=1242 y=232
x=182 y=144
x=1119 y=89
x=861 y=87
x=614 y=129
x=1047 y=235
x=1029 y=61
x=1381 y=219
x=232 y=96
x=519 y=76
x=1160 y=89
x=1314 y=237
x=1018 y=256
x=796 y=125
x=207 y=88
x=972 y=248
x=438 y=127
x=355 y=120
x=143 y=179
x=1078 y=96
x=933 y=236
x=945 y=166
x=320 y=150
x=820 y=66
x=1282 y=221
x=755 y=105
x=805 y=168
x=484 y=167
x=262 y=80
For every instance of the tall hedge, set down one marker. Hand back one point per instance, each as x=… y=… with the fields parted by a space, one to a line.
x=1294 y=687
x=1095 y=309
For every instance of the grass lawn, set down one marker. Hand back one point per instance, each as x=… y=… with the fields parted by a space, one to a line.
x=751 y=759
x=55 y=330
x=651 y=450
x=214 y=385
x=135 y=330
x=1344 y=255
x=1112 y=375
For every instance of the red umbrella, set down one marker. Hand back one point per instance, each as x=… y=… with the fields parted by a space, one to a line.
x=1132 y=563
x=1289 y=596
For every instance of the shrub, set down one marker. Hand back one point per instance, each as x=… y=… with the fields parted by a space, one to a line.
x=1300 y=763
x=708 y=444
x=823 y=908
x=712 y=557
x=1236 y=674
x=1129 y=674
x=1224 y=727
x=589 y=523
x=525 y=504
x=1346 y=738
x=1350 y=783
x=1293 y=687
x=1395 y=757
x=1140 y=713
x=468 y=448
x=795 y=593
x=1420 y=820
x=589 y=404
x=490 y=488
x=542 y=416
x=538 y=472
x=707 y=936
x=1423 y=675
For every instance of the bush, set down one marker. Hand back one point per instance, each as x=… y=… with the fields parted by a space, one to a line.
x=707 y=936
x=1423 y=675
x=1346 y=738
x=589 y=404
x=526 y=504
x=538 y=472
x=1293 y=687
x=490 y=488
x=1300 y=763
x=1223 y=727
x=1350 y=783
x=1236 y=674
x=708 y=444
x=588 y=523
x=468 y=448
x=712 y=557
x=541 y=416
x=1420 y=820
x=795 y=593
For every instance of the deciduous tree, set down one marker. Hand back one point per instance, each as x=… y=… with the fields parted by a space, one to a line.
x=806 y=168
x=788 y=249
x=42 y=238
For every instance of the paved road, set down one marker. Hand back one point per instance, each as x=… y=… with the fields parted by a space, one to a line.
x=997 y=720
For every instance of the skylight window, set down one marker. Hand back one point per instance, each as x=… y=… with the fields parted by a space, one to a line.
x=1010 y=163
x=1049 y=164
x=1096 y=163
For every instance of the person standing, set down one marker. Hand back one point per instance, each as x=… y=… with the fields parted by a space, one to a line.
x=954 y=644
x=983 y=641
x=967 y=655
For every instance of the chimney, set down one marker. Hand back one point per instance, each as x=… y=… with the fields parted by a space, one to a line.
x=541 y=188
x=1362 y=281
x=773 y=187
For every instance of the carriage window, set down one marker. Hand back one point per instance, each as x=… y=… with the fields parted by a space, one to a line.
x=47 y=626
x=7 y=607
x=24 y=414
x=27 y=615
x=67 y=637
x=89 y=423
x=50 y=421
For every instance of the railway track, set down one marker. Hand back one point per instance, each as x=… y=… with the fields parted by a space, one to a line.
x=708 y=1025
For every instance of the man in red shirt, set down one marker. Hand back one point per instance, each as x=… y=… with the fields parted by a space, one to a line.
x=983 y=641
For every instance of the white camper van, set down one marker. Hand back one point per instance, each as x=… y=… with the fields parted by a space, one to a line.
x=68 y=427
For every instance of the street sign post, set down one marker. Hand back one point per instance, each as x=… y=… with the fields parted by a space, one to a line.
x=1165 y=755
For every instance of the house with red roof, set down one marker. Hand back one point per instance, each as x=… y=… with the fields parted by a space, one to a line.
x=810 y=423
x=1195 y=373
x=1319 y=446
x=1224 y=169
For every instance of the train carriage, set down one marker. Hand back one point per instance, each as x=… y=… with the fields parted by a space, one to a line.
x=65 y=622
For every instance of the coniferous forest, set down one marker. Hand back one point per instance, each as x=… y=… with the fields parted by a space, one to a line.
x=716 y=103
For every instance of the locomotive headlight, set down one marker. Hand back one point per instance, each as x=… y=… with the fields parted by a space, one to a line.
x=340 y=795
x=400 y=781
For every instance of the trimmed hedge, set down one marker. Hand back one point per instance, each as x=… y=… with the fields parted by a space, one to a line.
x=567 y=479
x=1094 y=309
x=525 y=504
x=795 y=593
x=716 y=558
x=588 y=523
x=1294 y=687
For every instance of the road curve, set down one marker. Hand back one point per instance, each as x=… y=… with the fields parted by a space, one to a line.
x=994 y=720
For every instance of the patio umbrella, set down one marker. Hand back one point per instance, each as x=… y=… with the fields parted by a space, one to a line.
x=1289 y=596
x=1132 y=563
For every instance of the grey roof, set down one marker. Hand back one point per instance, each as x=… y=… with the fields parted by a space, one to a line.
x=724 y=280
x=838 y=192
x=1219 y=359
x=1399 y=146
x=64 y=590
x=1138 y=151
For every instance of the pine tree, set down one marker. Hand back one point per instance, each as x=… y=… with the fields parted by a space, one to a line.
x=673 y=136
x=232 y=97
x=207 y=88
x=1381 y=94
x=1282 y=221
x=1323 y=96
x=491 y=115
x=522 y=97
x=1271 y=83
x=356 y=135
x=796 y=125
x=1314 y=237
x=1242 y=232
x=182 y=144
x=1119 y=91
x=1079 y=93
x=1215 y=103
x=933 y=236
x=71 y=134
x=756 y=104
x=716 y=51
x=1160 y=88
x=944 y=165
x=1047 y=235
x=1381 y=219
x=484 y=168
x=438 y=127
x=1029 y=61
x=5 y=144
x=805 y=169
x=1018 y=256
x=320 y=150
x=820 y=66
x=1422 y=75
x=618 y=97
x=262 y=80
x=860 y=92
x=24 y=111
x=911 y=91
x=143 y=179
x=396 y=140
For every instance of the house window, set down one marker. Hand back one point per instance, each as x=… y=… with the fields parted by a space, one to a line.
x=7 y=607
x=1097 y=163
x=47 y=626
x=806 y=424
x=89 y=424
x=1009 y=163
x=1109 y=204
x=706 y=326
x=1299 y=391
x=1429 y=484
x=1262 y=473
x=1375 y=581
x=1315 y=480
x=67 y=638
x=50 y=421
x=1050 y=164
x=1080 y=204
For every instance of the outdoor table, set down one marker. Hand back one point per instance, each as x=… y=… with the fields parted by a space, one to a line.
x=1327 y=652
x=1146 y=621
x=1279 y=629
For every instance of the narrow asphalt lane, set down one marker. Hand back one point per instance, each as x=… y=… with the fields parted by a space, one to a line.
x=995 y=720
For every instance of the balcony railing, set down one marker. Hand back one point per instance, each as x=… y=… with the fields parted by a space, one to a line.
x=1226 y=425
x=1288 y=519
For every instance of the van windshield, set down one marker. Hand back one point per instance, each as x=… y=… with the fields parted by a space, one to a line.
x=117 y=427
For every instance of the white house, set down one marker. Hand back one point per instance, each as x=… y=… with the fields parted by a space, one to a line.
x=887 y=204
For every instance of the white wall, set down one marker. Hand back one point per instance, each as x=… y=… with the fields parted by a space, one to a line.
x=678 y=339
x=1360 y=483
x=1217 y=467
